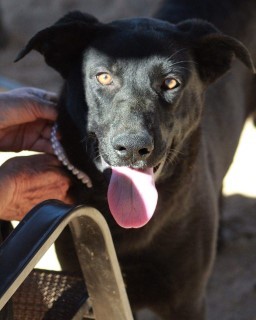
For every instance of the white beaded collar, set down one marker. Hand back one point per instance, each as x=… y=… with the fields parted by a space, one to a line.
x=61 y=155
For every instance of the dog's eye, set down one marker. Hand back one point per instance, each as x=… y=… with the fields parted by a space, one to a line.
x=104 y=78
x=170 y=84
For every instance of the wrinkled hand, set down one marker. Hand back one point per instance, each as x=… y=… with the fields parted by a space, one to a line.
x=27 y=181
x=26 y=117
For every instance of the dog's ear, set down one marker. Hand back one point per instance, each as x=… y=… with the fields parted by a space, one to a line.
x=213 y=51
x=61 y=43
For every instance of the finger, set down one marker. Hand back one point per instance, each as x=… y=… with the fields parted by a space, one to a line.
x=46 y=132
x=42 y=145
x=45 y=104
x=44 y=95
x=51 y=96
x=50 y=159
x=47 y=160
x=44 y=110
x=45 y=139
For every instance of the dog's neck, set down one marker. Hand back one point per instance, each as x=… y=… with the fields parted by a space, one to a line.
x=61 y=155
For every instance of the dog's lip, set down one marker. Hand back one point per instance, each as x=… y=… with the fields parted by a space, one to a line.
x=156 y=169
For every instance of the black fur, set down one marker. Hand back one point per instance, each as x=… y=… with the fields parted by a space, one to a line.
x=192 y=131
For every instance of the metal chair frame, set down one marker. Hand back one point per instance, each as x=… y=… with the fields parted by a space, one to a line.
x=29 y=241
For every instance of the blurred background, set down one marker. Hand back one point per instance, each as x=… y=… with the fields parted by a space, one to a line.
x=234 y=277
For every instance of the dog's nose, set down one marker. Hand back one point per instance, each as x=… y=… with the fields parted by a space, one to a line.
x=133 y=146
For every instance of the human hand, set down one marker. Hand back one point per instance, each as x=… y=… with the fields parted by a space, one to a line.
x=26 y=117
x=27 y=181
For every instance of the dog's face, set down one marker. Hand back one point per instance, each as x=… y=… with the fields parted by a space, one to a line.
x=143 y=82
x=138 y=88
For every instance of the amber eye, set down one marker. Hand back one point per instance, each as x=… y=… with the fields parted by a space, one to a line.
x=170 y=84
x=104 y=78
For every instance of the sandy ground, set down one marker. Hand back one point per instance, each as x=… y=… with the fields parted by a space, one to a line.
x=232 y=290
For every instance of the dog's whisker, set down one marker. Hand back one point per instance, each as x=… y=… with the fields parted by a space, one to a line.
x=178 y=69
x=97 y=153
x=84 y=140
x=181 y=62
x=173 y=156
x=176 y=52
x=180 y=65
x=87 y=139
x=176 y=151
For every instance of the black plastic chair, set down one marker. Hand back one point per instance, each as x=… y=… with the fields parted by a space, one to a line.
x=29 y=241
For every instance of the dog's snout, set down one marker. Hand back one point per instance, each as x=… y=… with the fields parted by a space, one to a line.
x=133 y=146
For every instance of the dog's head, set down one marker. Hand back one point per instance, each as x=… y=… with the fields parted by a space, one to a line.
x=142 y=83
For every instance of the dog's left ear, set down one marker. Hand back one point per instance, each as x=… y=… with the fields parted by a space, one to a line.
x=213 y=51
x=61 y=43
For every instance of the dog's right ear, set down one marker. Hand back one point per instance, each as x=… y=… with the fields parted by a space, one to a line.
x=62 y=43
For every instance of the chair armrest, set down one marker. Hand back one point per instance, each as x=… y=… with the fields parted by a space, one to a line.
x=29 y=241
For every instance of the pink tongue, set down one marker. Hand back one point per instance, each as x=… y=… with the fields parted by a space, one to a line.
x=132 y=196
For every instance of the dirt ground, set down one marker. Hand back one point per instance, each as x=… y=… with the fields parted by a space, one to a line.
x=232 y=289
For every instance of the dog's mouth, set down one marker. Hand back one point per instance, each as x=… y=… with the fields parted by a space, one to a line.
x=132 y=195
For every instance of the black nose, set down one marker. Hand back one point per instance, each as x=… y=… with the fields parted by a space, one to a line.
x=133 y=146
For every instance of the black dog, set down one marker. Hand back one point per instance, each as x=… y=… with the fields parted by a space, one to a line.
x=141 y=113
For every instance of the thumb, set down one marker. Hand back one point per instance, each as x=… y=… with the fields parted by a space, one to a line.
x=45 y=104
